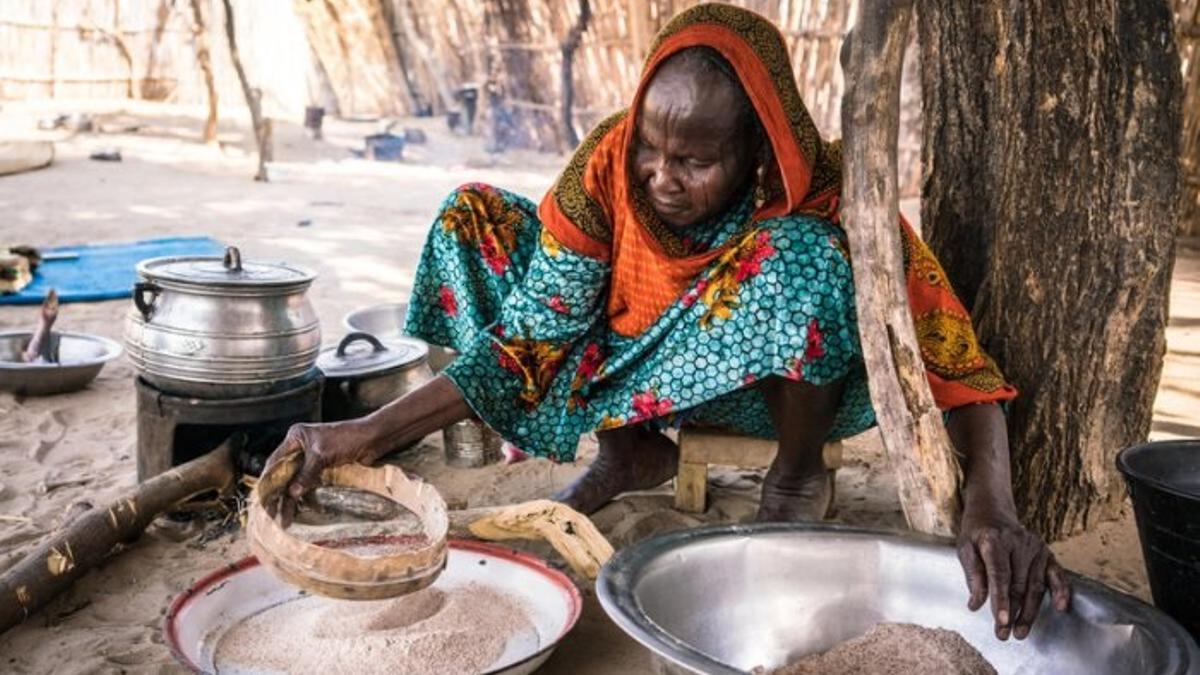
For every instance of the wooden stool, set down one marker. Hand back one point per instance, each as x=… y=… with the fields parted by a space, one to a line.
x=699 y=448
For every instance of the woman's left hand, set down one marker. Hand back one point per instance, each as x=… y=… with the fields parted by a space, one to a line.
x=1012 y=566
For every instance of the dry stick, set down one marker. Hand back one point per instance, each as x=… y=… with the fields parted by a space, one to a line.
x=39 y=342
x=911 y=423
x=54 y=48
x=262 y=134
x=122 y=46
x=204 y=58
x=569 y=45
x=87 y=539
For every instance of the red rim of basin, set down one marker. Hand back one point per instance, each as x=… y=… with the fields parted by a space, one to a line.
x=213 y=580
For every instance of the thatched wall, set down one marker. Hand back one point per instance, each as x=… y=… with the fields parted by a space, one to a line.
x=389 y=57
x=85 y=49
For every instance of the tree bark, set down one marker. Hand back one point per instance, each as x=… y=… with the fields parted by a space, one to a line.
x=1051 y=152
x=262 y=133
x=916 y=441
x=1188 y=20
x=569 y=45
x=204 y=58
x=92 y=534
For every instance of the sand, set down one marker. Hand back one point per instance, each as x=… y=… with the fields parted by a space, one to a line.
x=434 y=631
x=360 y=226
x=896 y=649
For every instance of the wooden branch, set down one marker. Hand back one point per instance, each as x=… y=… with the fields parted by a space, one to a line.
x=253 y=96
x=122 y=45
x=569 y=45
x=81 y=80
x=911 y=424
x=204 y=58
x=54 y=48
x=41 y=342
x=89 y=537
x=52 y=27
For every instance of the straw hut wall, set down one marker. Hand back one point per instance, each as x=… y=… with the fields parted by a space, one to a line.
x=397 y=57
x=145 y=49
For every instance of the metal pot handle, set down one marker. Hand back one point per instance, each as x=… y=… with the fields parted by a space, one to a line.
x=146 y=307
x=233 y=259
x=355 y=337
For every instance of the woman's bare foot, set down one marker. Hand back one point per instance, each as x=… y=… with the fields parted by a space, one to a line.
x=630 y=458
x=792 y=499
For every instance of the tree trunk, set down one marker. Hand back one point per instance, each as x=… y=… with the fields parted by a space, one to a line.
x=569 y=45
x=916 y=442
x=203 y=56
x=1188 y=19
x=262 y=131
x=1051 y=152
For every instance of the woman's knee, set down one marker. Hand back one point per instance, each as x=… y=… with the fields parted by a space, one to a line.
x=791 y=397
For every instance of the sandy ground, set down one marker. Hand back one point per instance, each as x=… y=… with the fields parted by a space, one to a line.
x=360 y=226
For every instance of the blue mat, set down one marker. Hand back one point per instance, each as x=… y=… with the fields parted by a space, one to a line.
x=103 y=272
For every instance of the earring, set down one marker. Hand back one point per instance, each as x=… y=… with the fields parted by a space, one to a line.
x=760 y=186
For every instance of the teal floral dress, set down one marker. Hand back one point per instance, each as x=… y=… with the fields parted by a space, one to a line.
x=539 y=363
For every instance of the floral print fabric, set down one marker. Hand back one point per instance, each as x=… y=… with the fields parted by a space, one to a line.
x=539 y=363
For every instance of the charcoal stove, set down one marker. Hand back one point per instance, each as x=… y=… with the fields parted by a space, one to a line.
x=173 y=429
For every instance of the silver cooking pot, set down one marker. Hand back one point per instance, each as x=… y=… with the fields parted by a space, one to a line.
x=363 y=374
x=215 y=327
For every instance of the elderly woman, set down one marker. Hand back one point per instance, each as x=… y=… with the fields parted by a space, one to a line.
x=688 y=267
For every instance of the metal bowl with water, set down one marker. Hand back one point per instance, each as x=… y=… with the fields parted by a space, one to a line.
x=80 y=358
x=731 y=598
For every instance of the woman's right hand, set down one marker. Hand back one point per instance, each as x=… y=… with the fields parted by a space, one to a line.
x=433 y=406
x=322 y=446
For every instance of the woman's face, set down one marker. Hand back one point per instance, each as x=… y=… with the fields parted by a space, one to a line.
x=693 y=150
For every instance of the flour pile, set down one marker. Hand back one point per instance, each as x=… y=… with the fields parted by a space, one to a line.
x=431 y=632
x=896 y=649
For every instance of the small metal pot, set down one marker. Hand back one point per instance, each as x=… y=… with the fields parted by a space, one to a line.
x=360 y=381
x=214 y=327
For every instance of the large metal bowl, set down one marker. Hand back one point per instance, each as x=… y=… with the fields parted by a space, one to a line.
x=731 y=598
x=383 y=321
x=81 y=356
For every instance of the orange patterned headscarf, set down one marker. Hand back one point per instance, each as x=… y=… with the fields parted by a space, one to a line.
x=595 y=209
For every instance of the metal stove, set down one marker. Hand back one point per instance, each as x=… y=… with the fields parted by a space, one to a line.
x=174 y=429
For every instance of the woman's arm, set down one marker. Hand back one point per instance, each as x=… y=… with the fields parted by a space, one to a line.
x=1000 y=557
x=432 y=406
x=504 y=375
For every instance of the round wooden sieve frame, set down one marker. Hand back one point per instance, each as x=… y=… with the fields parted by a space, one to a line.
x=339 y=574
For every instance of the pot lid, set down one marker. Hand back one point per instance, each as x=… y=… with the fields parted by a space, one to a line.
x=228 y=270
x=365 y=354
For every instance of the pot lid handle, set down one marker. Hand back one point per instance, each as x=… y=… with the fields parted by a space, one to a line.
x=233 y=259
x=355 y=337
